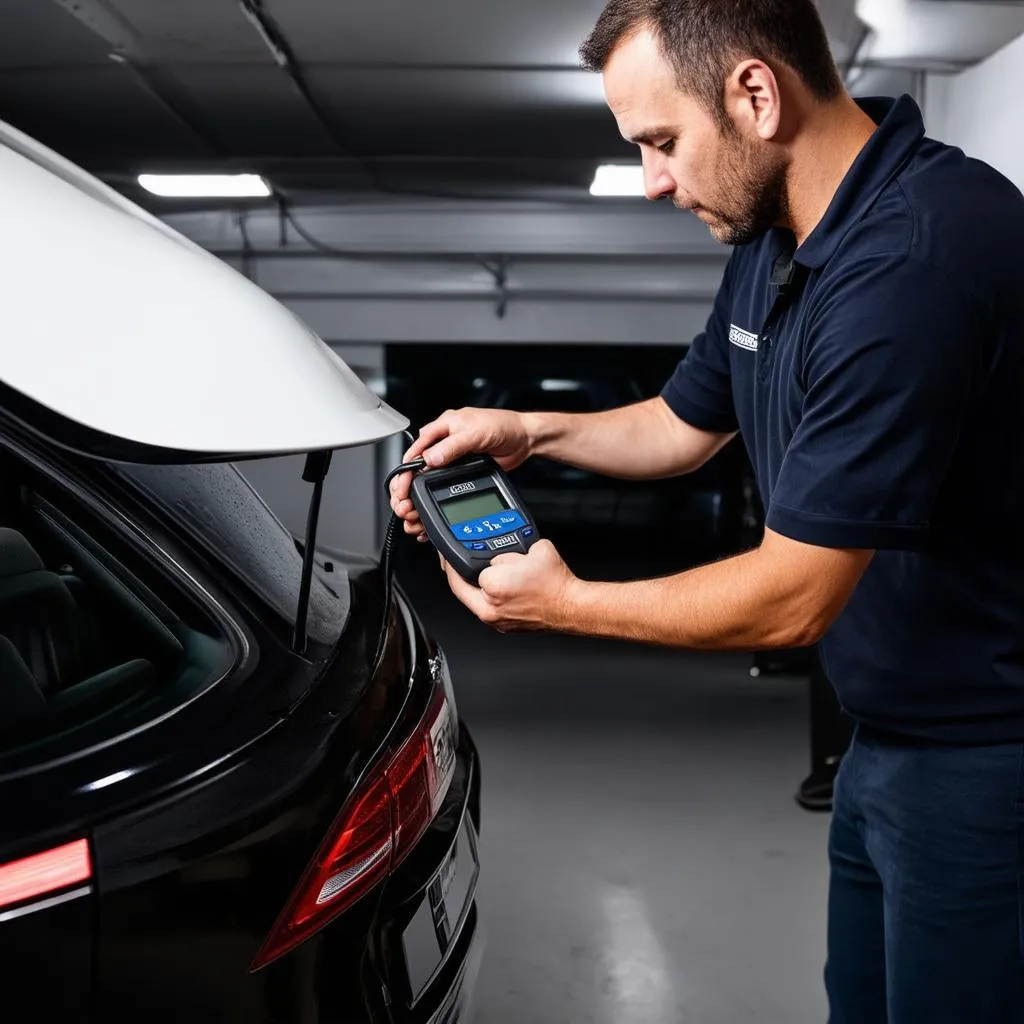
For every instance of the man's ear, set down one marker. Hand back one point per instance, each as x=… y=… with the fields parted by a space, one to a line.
x=753 y=100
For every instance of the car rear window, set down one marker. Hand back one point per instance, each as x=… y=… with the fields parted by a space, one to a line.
x=223 y=512
x=96 y=638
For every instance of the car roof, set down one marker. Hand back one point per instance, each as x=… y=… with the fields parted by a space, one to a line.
x=117 y=323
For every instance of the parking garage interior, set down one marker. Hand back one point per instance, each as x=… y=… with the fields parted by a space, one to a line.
x=645 y=854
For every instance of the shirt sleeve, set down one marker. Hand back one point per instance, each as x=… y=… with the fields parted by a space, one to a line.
x=893 y=354
x=700 y=390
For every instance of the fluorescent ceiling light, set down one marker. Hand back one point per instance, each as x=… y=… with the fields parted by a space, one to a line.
x=618 y=180
x=212 y=186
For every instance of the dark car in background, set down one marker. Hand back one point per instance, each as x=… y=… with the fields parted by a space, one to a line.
x=669 y=523
x=701 y=513
x=558 y=494
x=233 y=779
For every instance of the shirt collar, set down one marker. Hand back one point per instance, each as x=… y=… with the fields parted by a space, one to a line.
x=900 y=131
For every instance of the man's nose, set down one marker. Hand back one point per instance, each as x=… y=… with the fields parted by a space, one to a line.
x=657 y=180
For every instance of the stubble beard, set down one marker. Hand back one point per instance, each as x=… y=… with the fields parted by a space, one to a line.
x=754 y=195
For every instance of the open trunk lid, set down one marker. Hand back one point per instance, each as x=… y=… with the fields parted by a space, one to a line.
x=125 y=338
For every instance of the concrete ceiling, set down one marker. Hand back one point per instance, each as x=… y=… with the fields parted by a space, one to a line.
x=323 y=96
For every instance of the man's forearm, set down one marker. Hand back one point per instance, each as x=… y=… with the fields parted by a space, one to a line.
x=644 y=441
x=759 y=600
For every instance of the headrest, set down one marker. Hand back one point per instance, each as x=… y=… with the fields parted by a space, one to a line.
x=17 y=555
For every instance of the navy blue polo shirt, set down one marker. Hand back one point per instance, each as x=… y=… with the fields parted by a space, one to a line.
x=877 y=377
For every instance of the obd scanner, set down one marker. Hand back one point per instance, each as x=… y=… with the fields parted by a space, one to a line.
x=471 y=513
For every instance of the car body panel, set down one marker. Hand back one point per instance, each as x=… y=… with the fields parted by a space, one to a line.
x=120 y=325
x=201 y=819
x=195 y=852
x=215 y=862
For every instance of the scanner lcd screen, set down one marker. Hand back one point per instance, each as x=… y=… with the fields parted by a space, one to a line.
x=473 y=506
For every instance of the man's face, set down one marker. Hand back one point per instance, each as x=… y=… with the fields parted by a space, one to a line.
x=734 y=184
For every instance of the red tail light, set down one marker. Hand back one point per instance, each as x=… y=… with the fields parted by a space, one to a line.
x=42 y=873
x=379 y=826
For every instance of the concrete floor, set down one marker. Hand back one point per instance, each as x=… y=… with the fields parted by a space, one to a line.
x=642 y=856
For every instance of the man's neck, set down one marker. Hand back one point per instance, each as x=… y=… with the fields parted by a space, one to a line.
x=830 y=140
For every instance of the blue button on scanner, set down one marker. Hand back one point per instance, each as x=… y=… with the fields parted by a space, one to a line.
x=528 y=532
x=479 y=547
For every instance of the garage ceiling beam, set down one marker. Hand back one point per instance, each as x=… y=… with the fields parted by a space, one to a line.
x=276 y=42
x=100 y=18
x=511 y=295
x=126 y=50
x=451 y=228
x=443 y=255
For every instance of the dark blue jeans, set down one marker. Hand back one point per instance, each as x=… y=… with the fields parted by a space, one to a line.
x=925 y=907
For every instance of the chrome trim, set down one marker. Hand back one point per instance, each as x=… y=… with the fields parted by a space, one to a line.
x=53 y=901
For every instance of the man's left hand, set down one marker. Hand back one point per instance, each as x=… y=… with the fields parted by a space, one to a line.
x=519 y=593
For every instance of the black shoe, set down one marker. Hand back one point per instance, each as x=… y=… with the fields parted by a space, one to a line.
x=815 y=792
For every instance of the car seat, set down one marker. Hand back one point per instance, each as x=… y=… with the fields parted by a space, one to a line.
x=21 y=700
x=118 y=619
x=39 y=616
x=45 y=641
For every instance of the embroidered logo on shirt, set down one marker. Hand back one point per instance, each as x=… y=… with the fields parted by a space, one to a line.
x=742 y=338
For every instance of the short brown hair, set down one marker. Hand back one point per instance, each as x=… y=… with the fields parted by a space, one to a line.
x=704 y=39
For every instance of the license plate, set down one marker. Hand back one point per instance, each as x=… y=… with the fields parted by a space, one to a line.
x=436 y=924
x=455 y=880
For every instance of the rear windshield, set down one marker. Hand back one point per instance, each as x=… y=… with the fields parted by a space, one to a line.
x=221 y=510
x=96 y=638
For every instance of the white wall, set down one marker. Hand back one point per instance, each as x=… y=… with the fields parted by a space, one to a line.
x=979 y=111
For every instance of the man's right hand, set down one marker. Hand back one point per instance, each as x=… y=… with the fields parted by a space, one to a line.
x=499 y=433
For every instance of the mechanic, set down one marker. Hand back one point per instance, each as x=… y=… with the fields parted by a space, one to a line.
x=867 y=342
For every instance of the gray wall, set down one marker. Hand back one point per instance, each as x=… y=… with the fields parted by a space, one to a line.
x=407 y=271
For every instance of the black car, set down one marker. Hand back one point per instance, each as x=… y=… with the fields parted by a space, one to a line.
x=233 y=779
x=200 y=822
